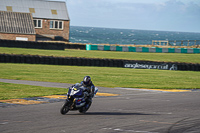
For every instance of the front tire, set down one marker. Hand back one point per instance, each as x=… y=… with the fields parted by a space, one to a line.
x=65 y=108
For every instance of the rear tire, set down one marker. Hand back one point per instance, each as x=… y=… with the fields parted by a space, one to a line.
x=65 y=108
x=85 y=108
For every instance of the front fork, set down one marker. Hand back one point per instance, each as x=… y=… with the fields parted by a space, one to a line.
x=71 y=102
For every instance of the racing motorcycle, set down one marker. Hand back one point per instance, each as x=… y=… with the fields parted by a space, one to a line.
x=76 y=100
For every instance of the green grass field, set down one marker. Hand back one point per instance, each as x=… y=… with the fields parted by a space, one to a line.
x=101 y=76
x=166 y=57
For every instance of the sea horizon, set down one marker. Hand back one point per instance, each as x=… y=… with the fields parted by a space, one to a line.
x=99 y=35
x=134 y=29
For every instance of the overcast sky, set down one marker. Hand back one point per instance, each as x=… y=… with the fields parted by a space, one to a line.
x=165 y=15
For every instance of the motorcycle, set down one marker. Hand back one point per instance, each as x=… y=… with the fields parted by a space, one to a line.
x=76 y=100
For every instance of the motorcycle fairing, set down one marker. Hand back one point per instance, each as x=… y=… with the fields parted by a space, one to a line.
x=95 y=90
x=79 y=102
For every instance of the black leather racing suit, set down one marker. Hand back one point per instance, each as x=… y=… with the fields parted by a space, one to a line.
x=90 y=89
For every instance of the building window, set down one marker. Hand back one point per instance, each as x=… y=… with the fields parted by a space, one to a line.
x=9 y=8
x=54 y=12
x=56 y=24
x=37 y=23
x=32 y=10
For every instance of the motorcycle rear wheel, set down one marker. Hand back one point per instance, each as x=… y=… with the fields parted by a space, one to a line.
x=84 y=109
x=65 y=108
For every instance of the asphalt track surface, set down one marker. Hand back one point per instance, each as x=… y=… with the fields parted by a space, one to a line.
x=133 y=111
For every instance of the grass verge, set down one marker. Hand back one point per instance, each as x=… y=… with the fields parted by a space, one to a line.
x=13 y=91
x=164 y=57
x=103 y=76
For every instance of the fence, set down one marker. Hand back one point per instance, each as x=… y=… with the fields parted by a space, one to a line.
x=176 y=42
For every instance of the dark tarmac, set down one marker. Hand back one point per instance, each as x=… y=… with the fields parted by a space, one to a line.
x=133 y=111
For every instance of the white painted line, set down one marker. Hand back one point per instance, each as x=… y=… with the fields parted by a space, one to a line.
x=123 y=130
x=4 y=123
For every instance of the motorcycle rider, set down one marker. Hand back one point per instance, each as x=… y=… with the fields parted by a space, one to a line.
x=89 y=88
x=89 y=92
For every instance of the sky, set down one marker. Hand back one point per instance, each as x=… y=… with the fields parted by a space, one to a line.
x=161 y=15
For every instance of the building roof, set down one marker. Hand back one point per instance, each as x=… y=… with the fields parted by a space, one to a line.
x=14 y=22
x=38 y=8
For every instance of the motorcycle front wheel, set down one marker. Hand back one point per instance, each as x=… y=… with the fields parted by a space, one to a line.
x=65 y=108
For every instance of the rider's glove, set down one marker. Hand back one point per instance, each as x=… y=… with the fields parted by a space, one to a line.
x=86 y=94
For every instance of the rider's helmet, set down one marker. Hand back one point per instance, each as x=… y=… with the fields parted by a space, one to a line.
x=86 y=80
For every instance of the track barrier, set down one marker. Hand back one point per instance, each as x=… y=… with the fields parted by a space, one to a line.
x=74 y=61
x=40 y=45
x=142 y=49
